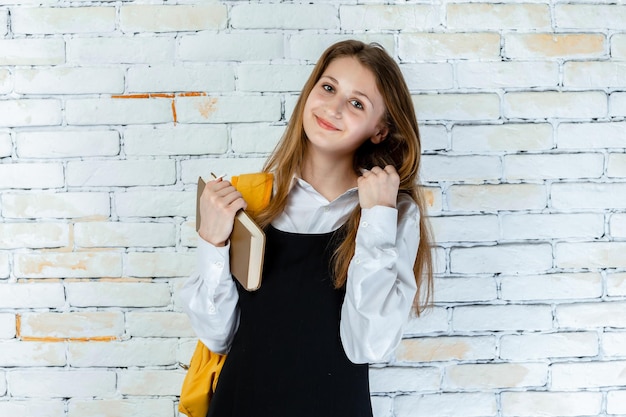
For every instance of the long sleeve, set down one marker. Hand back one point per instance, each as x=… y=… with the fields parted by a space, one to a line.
x=209 y=297
x=381 y=286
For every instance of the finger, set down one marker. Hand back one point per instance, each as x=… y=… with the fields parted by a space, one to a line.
x=376 y=170
x=390 y=169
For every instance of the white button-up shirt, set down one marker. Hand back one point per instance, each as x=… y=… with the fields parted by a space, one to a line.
x=379 y=290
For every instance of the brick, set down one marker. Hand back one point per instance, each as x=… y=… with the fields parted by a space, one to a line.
x=382 y=406
x=26 y=408
x=464 y=289
x=61 y=383
x=69 y=80
x=434 y=199
x=96 y=111
x=617 y=104
x=434 y=138
x=587 y=16
x=4 y=265
x=158 y=324
x=457 y=106
x=465 y=228
x=552 y=226
x=616 y=165
x=177 y=140
x=284 y=16
x=6 y=81
x=558 y=286
x=616 y=284
x=275 y=77
x=495 y=376
x=230 y=47
x=154 y=203
x=613 y=343
x=415 y=47
x=7 y=326
x=393 y=379
x=188 y=235
x=494 y=197
x=616 y=402
x=255 y=138
x=121 y=173
x=176 y=78
x=81 y=325
x=4 y=20
x=527 y=347
x=554 y=46
x=57 y=206
x=409 y=17
x=435 y=319
x=436 y=76
x=32 y=295
x=591 y=315
x=590 y=255
x=31 y=175
x=510 y=74
x=33 y=235
x=618 y=46
x=594 y=74
x=472 y=168
x=32 y=51
x=502 y=318
x=150 y=382
x=590 y=135
x=155 y=407
x=121 y=50
x=497 y=138
x=193 y=168
x=588 y=195
x=67 y=143
x=311 y=46
x=52 y=20
x=122 y=354
x=447 y=348
x=30 y=112
x=553 y=166
x=586 y=375
x=549 y=104
x=25 y=354
x=67 y=265
x=551 y=403
x=159 y=264
x=178 y=18
x=6 y=145
x=498 y=16
x=226 y=109
x=118 y=234
x=118 y=294
x=467 y=404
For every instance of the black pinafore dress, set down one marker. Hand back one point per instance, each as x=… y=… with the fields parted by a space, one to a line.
x=287 y=359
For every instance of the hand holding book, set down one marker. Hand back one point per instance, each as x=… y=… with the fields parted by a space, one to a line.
x=247 y=241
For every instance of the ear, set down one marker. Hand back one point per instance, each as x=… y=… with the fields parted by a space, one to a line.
x=381 y=133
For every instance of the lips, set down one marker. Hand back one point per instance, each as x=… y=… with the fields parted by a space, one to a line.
x=325 y=124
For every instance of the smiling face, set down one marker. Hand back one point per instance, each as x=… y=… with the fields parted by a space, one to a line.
x=344 y=109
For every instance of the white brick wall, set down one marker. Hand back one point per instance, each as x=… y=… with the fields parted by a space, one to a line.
x=109 y=112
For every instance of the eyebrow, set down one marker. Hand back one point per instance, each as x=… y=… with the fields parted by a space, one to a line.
x=357 y=92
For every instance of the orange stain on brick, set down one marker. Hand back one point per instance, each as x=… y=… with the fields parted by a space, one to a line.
x=207 y=107
x=171 y=96
x=430 y=197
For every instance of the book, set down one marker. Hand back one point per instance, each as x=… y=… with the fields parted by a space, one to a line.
x=247 y=246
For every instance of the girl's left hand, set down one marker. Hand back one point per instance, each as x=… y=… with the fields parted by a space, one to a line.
x=378 y=187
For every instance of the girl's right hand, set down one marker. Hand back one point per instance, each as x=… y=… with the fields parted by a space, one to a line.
x=219 y=203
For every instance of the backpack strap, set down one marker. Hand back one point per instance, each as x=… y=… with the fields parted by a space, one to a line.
x=256 y=189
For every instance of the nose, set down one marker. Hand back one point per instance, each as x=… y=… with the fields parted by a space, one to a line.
x=335 y=106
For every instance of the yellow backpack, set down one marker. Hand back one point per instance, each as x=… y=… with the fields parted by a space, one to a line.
x=205 y=366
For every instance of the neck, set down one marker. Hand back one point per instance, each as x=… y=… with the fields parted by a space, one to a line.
x=330 y=177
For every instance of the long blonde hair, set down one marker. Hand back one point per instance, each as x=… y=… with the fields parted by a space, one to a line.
x=401 y=148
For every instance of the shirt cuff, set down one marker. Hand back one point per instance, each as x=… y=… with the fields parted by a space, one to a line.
x=380 y=222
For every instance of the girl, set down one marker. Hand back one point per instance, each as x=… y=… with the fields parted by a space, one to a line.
x=347 y=255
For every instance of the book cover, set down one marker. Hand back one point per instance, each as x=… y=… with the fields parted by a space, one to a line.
x=247 y=246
